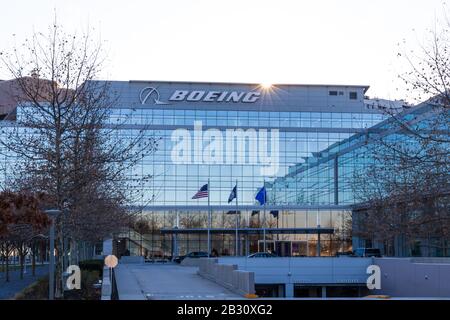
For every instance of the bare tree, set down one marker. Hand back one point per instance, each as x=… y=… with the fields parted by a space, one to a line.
x=63 y=137
x=402 y=197
x=404 y=185
x=22 y=218
x=6 y=248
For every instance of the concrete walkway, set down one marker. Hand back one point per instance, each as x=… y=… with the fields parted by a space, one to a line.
x=166 y=281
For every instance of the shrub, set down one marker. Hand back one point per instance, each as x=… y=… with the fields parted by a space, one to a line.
x=92 y=265
x=91 y=272
x=36 y=291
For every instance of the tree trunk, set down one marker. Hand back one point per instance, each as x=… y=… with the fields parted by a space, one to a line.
x=21 y=260
x=6 y=254
x=77 y=251
x=74 y=259
x=84 y=250
x=33 y=258
x=7 y=264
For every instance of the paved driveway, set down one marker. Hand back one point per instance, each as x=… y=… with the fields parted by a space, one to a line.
x=166 y=281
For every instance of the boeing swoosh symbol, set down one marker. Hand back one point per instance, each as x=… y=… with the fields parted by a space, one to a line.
x=147 y=93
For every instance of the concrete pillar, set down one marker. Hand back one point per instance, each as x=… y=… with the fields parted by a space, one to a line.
x=318 y=243
x=289 y=290
x=324 y=292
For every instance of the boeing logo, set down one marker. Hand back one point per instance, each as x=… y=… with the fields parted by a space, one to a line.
x=152 y=94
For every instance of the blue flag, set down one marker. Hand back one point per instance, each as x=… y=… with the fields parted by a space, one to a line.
x=261 y=196
x=233 y=194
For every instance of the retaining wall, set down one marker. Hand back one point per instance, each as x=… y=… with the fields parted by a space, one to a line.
x=304 y=270
x=414 y=277
x=227 y=275
x=106 y=285
x=190 y=262
x=131 y=259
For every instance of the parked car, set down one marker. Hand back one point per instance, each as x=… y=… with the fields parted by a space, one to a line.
x=262 y=255
x=195 y=254
x=344 y=254
x=367 y=252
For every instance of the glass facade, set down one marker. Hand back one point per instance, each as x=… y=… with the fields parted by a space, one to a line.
x=299 y=125
x=308 y=120
x=328 y=176
x=174 y=184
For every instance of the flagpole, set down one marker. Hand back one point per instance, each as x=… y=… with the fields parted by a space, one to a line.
x=278 y=217
x=237 y=222
x=246 y=251
x=279 y=211
x=264 y=218
x=209 y=219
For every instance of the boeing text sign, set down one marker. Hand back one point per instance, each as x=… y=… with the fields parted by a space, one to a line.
x=150 y=95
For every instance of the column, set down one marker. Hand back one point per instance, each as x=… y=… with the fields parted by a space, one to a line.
x=289 y=290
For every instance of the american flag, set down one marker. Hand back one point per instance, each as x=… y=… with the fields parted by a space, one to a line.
x=202 y=193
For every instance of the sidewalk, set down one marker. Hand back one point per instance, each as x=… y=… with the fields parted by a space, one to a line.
x=15 y=284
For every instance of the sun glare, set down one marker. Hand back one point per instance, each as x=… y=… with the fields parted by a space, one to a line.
x=266 y=85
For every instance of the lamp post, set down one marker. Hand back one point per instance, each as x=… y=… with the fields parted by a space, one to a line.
x=64 y=244
x=53 y=214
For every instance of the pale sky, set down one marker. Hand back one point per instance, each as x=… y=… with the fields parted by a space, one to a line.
x=282 y=41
